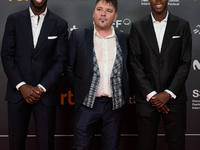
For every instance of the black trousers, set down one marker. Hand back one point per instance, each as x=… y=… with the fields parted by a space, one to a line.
x=18 y=121
x=87 y=119
x=148 y=119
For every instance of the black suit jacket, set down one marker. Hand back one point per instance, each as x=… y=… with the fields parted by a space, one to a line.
x=79 y=70
x=42 y=65
x=159 y=71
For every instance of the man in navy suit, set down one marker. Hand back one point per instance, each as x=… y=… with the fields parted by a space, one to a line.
x=160 y=57
x=34 y=53
x=97 y=70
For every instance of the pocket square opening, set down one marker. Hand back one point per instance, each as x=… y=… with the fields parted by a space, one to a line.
x=175 y=37
x=52 y=37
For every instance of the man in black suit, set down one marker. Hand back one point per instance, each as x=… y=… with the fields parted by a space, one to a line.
x=34 y=53
x=97 y=70
x=160 y=56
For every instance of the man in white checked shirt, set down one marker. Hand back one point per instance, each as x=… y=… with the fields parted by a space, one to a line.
x=97 y=70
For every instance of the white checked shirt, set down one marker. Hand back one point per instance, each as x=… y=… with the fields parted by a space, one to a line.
x=105 y=49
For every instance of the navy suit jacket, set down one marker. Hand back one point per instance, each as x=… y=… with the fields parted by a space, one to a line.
x=42 y=65
x=169 y=69
x=79 y=70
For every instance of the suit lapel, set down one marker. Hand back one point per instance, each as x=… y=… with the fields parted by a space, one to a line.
x=89 y=44
x=118 y=60
x=149 y=32
x=171 y=28
x=46 y=29
x=123 y=45
x=26 y=28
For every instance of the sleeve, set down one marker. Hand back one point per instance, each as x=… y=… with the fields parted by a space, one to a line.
x=9 y=60
x=59 y=58
x=135 y=59
x=185 y=61
x=69 y=72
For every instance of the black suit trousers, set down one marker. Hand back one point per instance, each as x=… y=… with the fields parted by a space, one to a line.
x=148 y=119
x=18 y=121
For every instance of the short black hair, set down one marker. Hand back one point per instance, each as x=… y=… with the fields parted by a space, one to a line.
x=113 y=2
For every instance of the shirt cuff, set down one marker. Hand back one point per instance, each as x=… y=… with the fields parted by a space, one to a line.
x=42 y=88
x=150 y=95
x=171 y=93
x=20 y=84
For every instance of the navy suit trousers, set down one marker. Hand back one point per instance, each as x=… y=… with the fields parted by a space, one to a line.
x=87 y=120
x=18 y=121
x=148 y=119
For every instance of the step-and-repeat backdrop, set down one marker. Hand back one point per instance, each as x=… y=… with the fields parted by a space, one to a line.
x=78 y=13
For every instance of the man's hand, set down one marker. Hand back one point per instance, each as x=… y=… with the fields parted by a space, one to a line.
x=30 y=94
x=159 y=100
x=163 y=109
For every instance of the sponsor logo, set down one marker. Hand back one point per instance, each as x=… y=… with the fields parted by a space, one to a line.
x=197 y=30
x=171 y=2
x=73 y=28
x=132 y=100
x=79 y=0
x=196 y=102
x=196 y=65
x=67 y=96
x=196 y=93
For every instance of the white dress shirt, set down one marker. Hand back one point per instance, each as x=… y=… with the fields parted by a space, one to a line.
x=36 y=22
x=159 y=28
x=105 y=49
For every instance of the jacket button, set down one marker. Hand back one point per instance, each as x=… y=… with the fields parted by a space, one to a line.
x=33 y=60
x=29 y=74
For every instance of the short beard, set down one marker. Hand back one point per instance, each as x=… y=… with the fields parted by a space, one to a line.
x=38 y=7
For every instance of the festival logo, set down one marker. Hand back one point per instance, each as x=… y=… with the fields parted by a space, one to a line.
x=17 y=0
x=117 y=24
x=124 y=22
x=197 y=30
x=170 y=3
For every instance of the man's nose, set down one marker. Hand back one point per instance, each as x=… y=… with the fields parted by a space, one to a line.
x=103 y=13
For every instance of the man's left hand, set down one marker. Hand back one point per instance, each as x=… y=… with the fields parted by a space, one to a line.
x=159 y=100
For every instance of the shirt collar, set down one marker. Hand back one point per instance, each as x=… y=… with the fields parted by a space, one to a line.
x=110 y=36
x=164 y=20
x=32 y=14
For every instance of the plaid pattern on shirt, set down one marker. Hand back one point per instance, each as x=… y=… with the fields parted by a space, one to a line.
x=89 y=99
x=116 y=80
